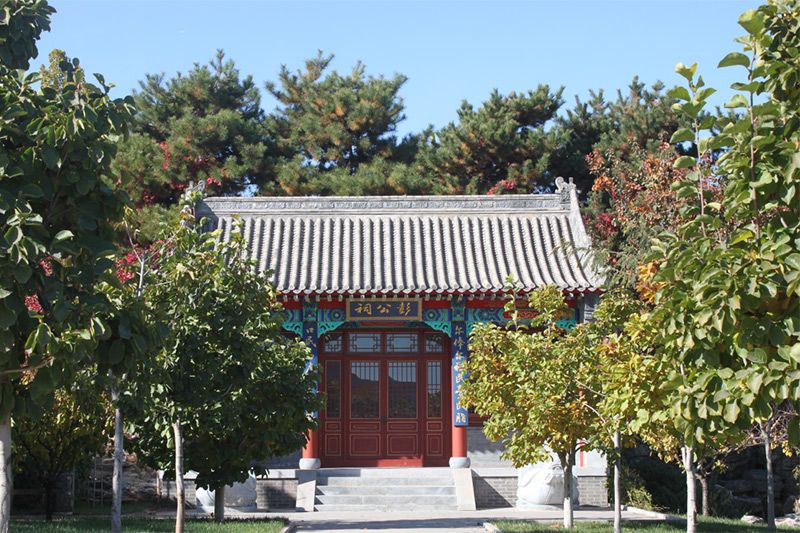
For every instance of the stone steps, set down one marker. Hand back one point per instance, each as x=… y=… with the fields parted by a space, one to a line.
x=385 y=489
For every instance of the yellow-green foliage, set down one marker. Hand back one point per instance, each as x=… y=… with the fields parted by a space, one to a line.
x=535 y=386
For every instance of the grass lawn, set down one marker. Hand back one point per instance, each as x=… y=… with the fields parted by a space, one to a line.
x=143 y=525
x=705 y=525
x=87 y=509
x=83 y=508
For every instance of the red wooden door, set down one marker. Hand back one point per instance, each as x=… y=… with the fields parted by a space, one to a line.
x=387 y=408
x=363 y=428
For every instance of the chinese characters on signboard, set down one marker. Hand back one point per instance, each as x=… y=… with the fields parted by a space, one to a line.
x=460 y=414
x=389 y=309
x=310 y=336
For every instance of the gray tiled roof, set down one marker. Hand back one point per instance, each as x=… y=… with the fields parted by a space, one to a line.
x=407 y=245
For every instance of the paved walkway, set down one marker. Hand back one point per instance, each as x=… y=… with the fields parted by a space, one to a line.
x=438 y=521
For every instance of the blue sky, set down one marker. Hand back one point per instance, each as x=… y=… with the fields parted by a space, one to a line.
x=450 y=50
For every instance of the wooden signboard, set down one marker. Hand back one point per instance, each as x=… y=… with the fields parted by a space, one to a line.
x=387 y=309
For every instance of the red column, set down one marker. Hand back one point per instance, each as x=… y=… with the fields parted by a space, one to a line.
x=310 y=449
x=459 y=458
x=459 y=441
x=310 y=460
x=460 y=344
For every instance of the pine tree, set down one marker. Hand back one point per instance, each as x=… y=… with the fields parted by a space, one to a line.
x=502 y=143
x=619 y=155
x=206 y=126
x=637 y=121
x=330 y=126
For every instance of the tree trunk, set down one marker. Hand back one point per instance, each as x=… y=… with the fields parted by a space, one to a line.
x=179 y=490
x=5 y=474
x=691 y=506
x=617 y=488
x=49 y=500
x=219 y=505
x=704 y=491
x=116 y=477
x=770 y=487
x=566 y=466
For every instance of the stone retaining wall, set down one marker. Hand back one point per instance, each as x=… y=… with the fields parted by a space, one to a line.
x=277 y=493
x=592 y=490
x=167 y=493
x=495 y=492
x=494 y=488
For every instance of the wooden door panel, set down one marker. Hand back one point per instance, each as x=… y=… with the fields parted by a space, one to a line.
x=402 y=445
x=434 y=438
x=365 y=426
x=332 y=438
x=434 y=426
x=365 y=445
x=405 y=426
x=365 y=390
x=402 y=438
x=333 y=445
x=435 y=445
x=402 y=409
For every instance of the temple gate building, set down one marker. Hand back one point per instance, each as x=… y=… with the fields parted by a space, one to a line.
x=385 y=291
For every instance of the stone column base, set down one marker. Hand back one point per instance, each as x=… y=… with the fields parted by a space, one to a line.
x=310 y=464
x=459 y=462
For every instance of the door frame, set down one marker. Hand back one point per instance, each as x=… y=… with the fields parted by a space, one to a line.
x=433 y=433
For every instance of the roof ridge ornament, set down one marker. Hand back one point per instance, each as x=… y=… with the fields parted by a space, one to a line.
x=563 y=188
x=194 y=190
x=191 y=196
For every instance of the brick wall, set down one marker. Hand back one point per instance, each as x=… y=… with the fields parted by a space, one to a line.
x=271 y=494
x=482 y=452
x=167 y=494
x=495 y=492
x=284 y=461
x=593 y=491
x=280 y=494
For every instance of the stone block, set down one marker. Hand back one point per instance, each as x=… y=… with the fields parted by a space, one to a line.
x=790 y=520
x=757 y=478
x=750 y=519
x=543 y=485
x=239 y=496
x=737 y=486
x=749 y=505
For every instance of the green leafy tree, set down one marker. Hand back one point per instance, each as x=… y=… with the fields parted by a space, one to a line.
x=631 y=201
x=76 y=426
x=536 y=388
x=226 y=383
x=729 y=295
x=500 y=146
x=329 y=127
x=56 y=204
x=20 y=27
x=205 y=126
x=137 y=332
x=773 y=433
x=56 y=76
x=634 y=371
